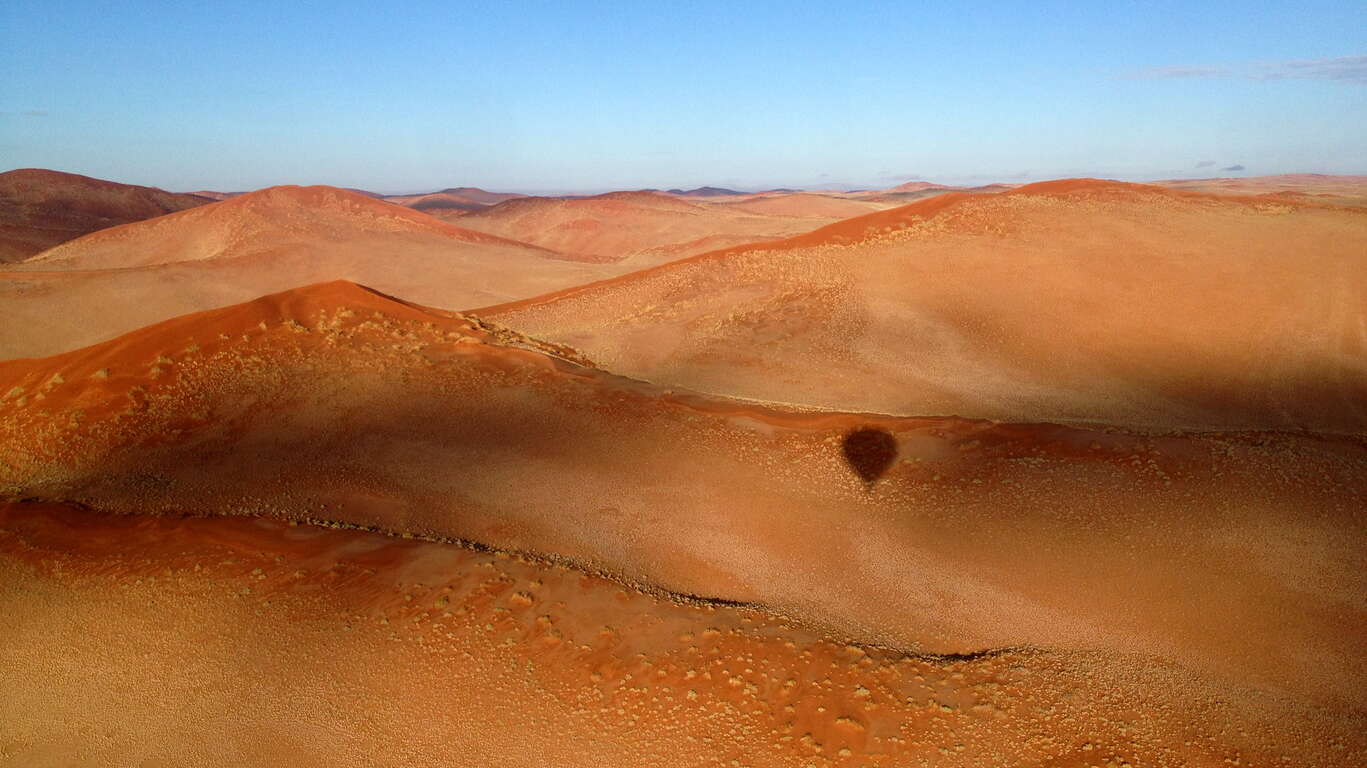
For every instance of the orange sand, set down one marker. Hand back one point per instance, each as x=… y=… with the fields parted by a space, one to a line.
x=1071 y=301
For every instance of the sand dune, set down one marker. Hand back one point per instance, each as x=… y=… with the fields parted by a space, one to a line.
x=645 y=228
x=123 y=278
x=337 y=403
x=1316 y=187
x=301 y=645
x=332 y=526
x=914 y=191
x=272 y=219
x=1076 y=301
x=40 y=209
x=802 y=205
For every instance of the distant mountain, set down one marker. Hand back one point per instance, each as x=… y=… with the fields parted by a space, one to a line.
x=452 y=199
x=705 y=192
x=916 y=186
x=212 y=195
x=480 y=195
x=40 y=208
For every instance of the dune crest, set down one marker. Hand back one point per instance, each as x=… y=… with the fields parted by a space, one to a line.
x=1077 y=300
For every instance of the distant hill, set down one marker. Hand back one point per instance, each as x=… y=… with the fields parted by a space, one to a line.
x=40 y=208
x=452 y=199
x=705 y=192
x=647 y=227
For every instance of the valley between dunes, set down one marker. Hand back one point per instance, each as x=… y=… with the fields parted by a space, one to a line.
x=1069 y=475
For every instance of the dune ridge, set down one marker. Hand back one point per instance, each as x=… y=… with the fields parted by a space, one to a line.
x=1077 y=301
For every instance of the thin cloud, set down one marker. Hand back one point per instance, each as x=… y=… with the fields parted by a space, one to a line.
x=26 y=113
x=1205 y=164
x=1346 y=69
x=1233 y=168
x=1342 y=69
x=1175 y=73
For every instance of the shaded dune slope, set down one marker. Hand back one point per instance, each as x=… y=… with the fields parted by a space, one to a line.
x=335 y=402
x=40 y=209
x=1077 y=301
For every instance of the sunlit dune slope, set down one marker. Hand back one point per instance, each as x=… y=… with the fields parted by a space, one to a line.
x=942 y=535
x=40 y=209
x=123 y=278
x=1078 y=301
x=386 y=651
x=647 y=228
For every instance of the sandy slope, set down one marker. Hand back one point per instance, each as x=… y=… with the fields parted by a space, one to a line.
x=646 y=228
x=1236 y=556
x=1075 y=301
x=278 y=645
x=123 y=278
x=40 y=208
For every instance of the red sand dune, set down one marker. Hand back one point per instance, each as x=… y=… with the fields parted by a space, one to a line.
x=331 y=526
x=122 y=278
x=1076 y=301
x=338 y=403
x=644 y=228
x=40 y=209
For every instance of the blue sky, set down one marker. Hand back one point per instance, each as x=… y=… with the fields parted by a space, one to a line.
x=564 y=96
